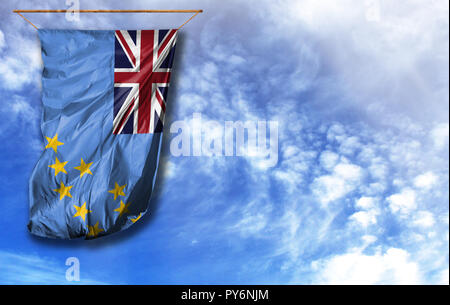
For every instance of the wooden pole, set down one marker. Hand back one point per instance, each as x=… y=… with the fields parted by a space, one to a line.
x=108 y=11
x=196 y=12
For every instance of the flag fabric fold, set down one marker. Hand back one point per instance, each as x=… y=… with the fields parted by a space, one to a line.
x=104 y=99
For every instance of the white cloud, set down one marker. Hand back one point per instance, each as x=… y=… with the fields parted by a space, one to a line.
x=392 y=267
x=291 y=179
x=424 y=219
x=365 y=202
x=440 y=135
x=21 y=108
x=290 y=151
x=20 y=115
x=17 y=71
x=374 y=188
x=369 y=213
x=378 y=168
x=350 y=172
x=403 y=202
x=336 y=132
x=344 y=179
x=253 y=219
x=368 y=239
x=328 y=159
x=406 y=42
x=426 y=180
x=365 y=218
x=349 y=145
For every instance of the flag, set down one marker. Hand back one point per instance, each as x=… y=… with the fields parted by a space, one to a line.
x=104 y=99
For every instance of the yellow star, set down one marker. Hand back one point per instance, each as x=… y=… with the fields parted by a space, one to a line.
x=118 y=190
x=53 y=142
x=94 y=230
x=58 y=166
x=137 y=218
x=123 y=208
x=81 y=211
x=64 y=191
x=84 y=168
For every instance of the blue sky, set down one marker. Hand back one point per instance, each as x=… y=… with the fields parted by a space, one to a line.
x=360 y=192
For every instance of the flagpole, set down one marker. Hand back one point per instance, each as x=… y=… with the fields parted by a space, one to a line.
x=108 y=11
x=196 y=12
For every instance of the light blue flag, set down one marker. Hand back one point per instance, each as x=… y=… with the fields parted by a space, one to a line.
x=104 y=98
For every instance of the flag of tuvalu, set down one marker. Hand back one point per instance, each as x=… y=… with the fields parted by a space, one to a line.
x=104 y=98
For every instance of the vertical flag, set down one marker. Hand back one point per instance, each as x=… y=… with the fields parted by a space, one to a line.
x=104 y=99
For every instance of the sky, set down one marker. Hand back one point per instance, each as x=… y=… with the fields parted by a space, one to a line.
x=359 y=194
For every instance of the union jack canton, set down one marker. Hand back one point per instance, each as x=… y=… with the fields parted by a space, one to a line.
x=142 y=69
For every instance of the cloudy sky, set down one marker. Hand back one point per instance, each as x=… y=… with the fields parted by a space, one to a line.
x=360 y=192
